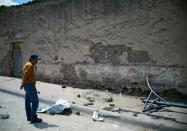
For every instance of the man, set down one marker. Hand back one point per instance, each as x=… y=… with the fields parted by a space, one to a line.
x=28 y=83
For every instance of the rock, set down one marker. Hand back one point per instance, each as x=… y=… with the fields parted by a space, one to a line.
x=55 y=57
x=78 y=95
x=108 y=99
x=88 y=103
x=129 y=91
x=96 y=94
x=112 y=104
x=91 y=101
x=88 y=92
x=77 y=113
x=63 y=86
x=85 y=104
x=73 y=102
x=90 y=98
x=4 y=116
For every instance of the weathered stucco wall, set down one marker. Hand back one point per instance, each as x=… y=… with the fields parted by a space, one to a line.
x=103 y=44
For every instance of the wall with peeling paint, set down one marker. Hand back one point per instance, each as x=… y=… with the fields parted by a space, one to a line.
x=102 y=44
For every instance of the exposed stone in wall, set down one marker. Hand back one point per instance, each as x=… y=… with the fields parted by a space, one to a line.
x=115 y=54
x=136 y=56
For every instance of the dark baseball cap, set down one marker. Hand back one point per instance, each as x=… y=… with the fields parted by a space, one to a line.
x=35 y=56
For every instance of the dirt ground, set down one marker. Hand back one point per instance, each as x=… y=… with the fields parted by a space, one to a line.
x=80 y=96
x=14 y=106
x=124 y=102
x=119 y=100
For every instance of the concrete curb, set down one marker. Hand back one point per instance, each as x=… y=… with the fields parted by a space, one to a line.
x=128 y=117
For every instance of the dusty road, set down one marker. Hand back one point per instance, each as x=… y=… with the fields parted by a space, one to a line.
x=14 y=106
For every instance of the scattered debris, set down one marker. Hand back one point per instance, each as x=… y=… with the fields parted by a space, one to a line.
x=96 y=94
x=73 y=102
x=55 y=57
x=63 y=86
x=90 y=92
x=90 y=98
x=115 y=109
x=85 y=104
x=88 y=103
x=108 y=99
x=57 y=108
x=96 y=117
x=112 y=104
x=78 y=95
x=4 y=116
x=108 y=108
x=79 y=113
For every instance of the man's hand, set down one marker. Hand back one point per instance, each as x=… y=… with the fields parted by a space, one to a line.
x=21 y=87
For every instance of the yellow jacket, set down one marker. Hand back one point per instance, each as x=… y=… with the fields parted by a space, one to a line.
x=28 y=74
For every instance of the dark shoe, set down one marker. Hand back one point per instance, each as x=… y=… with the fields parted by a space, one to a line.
x=36 y=120
x=28 y=119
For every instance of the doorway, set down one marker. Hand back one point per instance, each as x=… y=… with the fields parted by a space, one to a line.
x=16 y=60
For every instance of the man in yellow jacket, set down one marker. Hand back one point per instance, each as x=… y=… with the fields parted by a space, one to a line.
x=28 y=83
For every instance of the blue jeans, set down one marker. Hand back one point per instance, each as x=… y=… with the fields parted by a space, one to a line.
x=31 y=97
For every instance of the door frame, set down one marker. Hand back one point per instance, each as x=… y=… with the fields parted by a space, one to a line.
x=13 y=45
